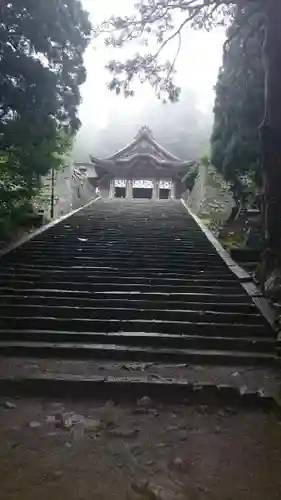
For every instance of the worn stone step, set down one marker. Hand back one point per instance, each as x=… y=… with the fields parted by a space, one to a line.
x=134 y=325
x=247 y=379
x=81 y=271
x=129 y=313
x=110 y=278
x=46 y=283
x=239 y=308
x=125 y=352
x=127 y=263
x=117 y=248
x=121 y=247
x=242 y=298
x=245 y=344
x=129 y=388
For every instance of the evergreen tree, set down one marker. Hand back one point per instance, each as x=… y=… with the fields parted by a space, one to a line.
x=239 y=105
x=41 y=68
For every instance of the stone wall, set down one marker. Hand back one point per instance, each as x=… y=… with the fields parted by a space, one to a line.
x=197 y=195
x=82 y=190
x=72 y=190
x=211 y=198
x=62 y=193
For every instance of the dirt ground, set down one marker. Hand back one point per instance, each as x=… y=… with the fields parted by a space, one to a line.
x=95 y=451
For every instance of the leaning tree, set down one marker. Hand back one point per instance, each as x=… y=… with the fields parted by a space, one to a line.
x=165 y=20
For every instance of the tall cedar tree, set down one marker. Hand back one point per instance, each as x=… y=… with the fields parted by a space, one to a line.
x=41 y=68
x=238 y=111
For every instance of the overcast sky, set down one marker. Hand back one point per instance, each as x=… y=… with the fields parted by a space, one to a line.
x=197 y=69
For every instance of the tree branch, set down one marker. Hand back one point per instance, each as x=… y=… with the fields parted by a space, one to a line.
x=155 y=17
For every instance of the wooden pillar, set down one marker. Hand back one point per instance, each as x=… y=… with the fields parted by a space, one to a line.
x=129 y=190
x=111 y=189
x=155 y=194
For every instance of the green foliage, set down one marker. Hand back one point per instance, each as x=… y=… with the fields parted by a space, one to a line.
x=41 y=68
x=239 y=106
x=189 y=178
x=159 y=22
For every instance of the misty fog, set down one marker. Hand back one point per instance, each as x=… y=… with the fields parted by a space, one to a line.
x=109 y=122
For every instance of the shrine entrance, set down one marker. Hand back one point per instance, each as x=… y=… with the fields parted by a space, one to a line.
x=165 y=190
x=141 y=170
x=143 y=189
x=120 y=189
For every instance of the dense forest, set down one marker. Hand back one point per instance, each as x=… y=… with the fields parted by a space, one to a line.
x=41 y=68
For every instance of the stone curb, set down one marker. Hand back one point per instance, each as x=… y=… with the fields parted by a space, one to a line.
x=245 y=279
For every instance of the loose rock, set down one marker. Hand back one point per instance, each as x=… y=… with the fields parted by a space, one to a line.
x=172 y=428
x=8 y=405
x=154 y=412
x=140 y=411
x=203 y=409
x=149 y=463
x=140 y=487
x=144 y=402
x=58 y=473
x=152 y=491
x=178 y=463
x=130 y=433
x=243 y=389
x=67 y=421
x=34 y=425
x=78 y=431
x=51 y=419
x=93 y=425
x=183 y=435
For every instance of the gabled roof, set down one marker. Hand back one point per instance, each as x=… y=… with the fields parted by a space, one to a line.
x=143 y=150
x=145 y=142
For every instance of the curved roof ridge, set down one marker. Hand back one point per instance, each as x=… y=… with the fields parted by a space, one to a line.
x=145 y=133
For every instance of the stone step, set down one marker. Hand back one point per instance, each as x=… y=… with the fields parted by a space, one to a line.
x=129 y=313
x=245 y=344
x=125 y=352
x=238 y=308
x=117 y=249
x=118 y=278
x=127 y=295
x=121 y=262
x=45 y=283
x=134 y=325
x=82 y=271
x=247 y=379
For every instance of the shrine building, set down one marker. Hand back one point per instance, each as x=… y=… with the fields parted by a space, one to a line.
x=143 y=169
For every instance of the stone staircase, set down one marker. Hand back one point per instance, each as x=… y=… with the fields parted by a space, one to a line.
x=118 y=278
x=136 y=281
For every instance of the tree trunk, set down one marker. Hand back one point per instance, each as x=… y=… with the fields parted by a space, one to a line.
x=270 y=132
